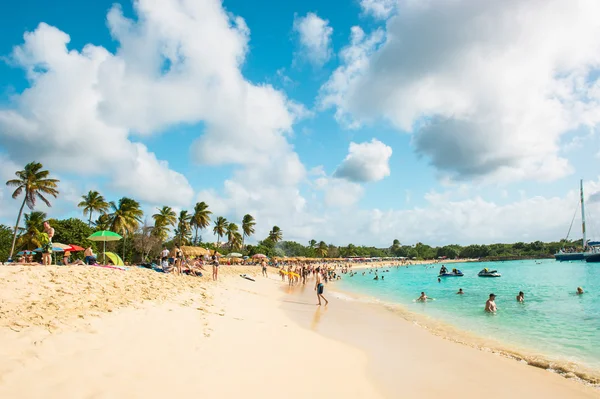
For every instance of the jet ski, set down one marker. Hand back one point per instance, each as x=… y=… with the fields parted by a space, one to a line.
x=489 y=273
x=453 y=273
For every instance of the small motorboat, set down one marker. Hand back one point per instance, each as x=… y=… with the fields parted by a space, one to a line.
x=453 y=273
x=489 y=273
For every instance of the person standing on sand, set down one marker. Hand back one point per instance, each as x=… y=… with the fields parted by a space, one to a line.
x=490 y=305
x=264 y=269
x=319 y=287
x=47 y=248
x=215 y=262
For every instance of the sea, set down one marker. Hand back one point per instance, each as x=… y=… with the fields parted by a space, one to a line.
x=553 y=321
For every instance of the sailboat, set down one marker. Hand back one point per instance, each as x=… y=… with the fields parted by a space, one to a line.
x=589 y=248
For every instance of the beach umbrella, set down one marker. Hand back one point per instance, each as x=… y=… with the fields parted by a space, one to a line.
x=259 y=256
x=54 y=249
x=74 y=248
x=27 y=252
x=234 y=255
x=104 y=235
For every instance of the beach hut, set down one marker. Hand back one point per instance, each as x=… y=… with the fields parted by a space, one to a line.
x=194 y=251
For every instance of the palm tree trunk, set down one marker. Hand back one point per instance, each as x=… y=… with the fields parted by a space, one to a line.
x=124 y=242
x=90 y=220
x=196 y=237
x=12 y=248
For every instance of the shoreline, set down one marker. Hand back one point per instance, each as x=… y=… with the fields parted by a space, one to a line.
x=144 y=334
x=400 y=350
x=580 y=372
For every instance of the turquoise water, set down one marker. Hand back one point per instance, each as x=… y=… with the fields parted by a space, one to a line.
x=553 y=321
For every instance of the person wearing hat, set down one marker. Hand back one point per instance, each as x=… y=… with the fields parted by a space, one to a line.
x=490 y=305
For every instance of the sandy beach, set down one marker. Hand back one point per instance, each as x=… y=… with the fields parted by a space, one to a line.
x=84 y=332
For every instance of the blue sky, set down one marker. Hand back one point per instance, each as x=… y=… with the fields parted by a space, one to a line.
x=448 y=146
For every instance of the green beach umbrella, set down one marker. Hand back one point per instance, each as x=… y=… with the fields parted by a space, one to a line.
x=104 y=236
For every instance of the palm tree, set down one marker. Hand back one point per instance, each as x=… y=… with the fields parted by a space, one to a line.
x=248 y=224
x=232 y=228
x=165 y=218
x=322 y=249
x=34 y=223
x=201 y=218
x=184 y=226
x=125 y=217
x=36 y=183
x=275 y=234
x=93 y=202
x=103 y=222
x=312 y=244
x=220 y=228
x=236 y=241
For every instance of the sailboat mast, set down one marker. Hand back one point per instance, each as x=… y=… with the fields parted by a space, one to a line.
x=582 y=214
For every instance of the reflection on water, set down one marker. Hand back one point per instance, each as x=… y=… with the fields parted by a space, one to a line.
x=317 y=317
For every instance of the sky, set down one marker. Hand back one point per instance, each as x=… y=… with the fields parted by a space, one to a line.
x=355 y=121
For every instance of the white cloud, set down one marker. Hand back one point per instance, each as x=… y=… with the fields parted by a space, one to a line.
x=178 y=62
x=487 y=88
x=365 y=162
x=379 y=9
x=355 y=61
x=462 y=221
x=339 y=193
x=56 y=120
x=314 y=37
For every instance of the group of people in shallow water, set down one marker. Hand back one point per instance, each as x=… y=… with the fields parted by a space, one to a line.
x=322 y=273
x=490 y=304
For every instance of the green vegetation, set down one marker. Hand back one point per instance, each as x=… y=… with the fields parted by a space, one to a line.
x=35 y=183
x=142 y=242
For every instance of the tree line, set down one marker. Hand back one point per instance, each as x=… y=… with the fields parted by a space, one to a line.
x=143 y=241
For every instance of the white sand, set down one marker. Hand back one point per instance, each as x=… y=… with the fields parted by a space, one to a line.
x=241 y=338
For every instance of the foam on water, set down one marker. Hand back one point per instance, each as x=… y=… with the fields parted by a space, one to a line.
x=554 y=328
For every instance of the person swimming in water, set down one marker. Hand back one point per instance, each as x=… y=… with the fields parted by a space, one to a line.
x=520 y=297
x=460 y=292
x=422 y=298
x=490 y=305
x=579 y=291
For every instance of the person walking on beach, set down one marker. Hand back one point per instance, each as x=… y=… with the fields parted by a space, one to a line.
x=264 y=269
x=490 y=305
x=319 y=287
x=521 y=296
